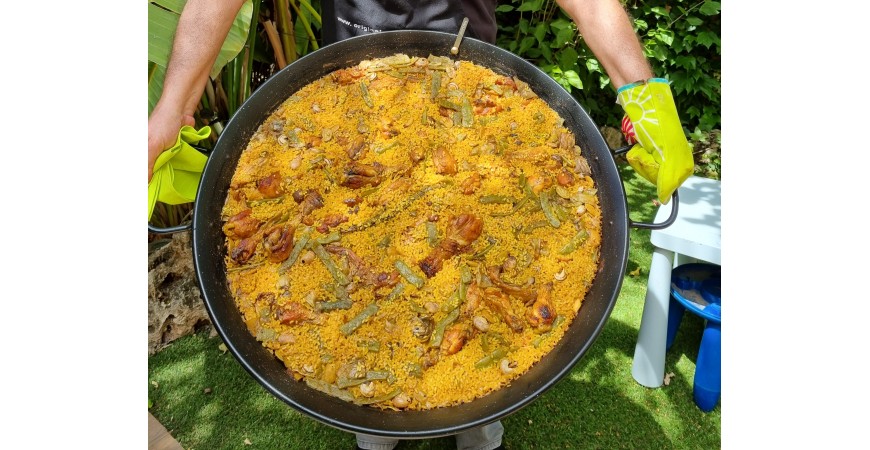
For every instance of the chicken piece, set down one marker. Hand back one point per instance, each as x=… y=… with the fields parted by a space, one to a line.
x=243 y=251
x=270 y=186
x=454 y=339
x=241 y=225
x=542 y=314
x=462 y=230
x=471 y=184
x=445 y=162
x=278 y=242
x=310 y=201
x=539 y=182
x=360 y=269
x=398 y=185
x=500 y=304
x=292 y=313
x=357 y=175
x=485 y=106
x=527 y=295
x=473 y=297
x=331 y=221
x=565 y=178
x=357 y=148
x=345 y=77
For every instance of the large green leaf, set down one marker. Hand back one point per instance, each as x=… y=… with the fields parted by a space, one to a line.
x=163 y=20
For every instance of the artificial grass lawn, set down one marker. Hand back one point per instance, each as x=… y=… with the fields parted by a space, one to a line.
x=597 y=406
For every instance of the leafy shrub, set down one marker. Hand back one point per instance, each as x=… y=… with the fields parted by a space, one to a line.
x=681 y=38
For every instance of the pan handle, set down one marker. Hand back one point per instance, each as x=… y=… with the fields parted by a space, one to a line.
x=184 y=226
x=675 y=201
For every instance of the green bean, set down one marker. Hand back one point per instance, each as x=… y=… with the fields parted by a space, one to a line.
x=371 y=375
x=379 y=398
x=490 y=199
x=415 y=370
x=438 y=333
x=344 y=303
x=373 y=346
x=325 y=239
x=436 y=85
x=379 y=149
x=365 y=94
x=351 y=325
x=431 y=234
x=467 y=116
x=451 y=303
x=385 y=242
x=397 y=291
x=337 y=274
x=417 y=308
x=548 y=210
x=527 y=190
x=409 y=274
x=464 y=281
x=534 y=226
x=424 y=120
x=444 y=103
x=491 y=243
x=491 y=358
x=297 y=249
x=574 y=242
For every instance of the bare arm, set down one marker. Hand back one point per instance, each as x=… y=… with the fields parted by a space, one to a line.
x=606 y=28
x=201 y=31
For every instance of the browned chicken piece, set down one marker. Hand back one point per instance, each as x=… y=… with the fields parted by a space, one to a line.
x=473 y=297
x=454 y=339
x=565 y=178
x=243 y=251
x=310 y=201
x=357 y=268
x=541 y=315
x=462 y=230
x=500 y=304
x=270 y=186
x=539 y=182
x=291 y=313
x=330 y=221
x=445 y=163
x=471 y=184
x=507 y=82
x=347 y=76
x=527 y=295
x=387 y=129
x=357 y=175
x=241 y=225
x=398 y=185
x=357 y=148
x=278 y=242
x=485 y=106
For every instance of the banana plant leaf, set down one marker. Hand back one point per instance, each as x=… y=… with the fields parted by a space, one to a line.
x=163 y=18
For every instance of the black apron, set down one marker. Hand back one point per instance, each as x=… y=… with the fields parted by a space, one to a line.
x=343 y=19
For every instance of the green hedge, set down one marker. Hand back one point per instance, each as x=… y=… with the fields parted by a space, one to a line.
x=681 y=38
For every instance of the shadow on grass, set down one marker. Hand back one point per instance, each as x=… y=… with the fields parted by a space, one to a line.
x=598 y=405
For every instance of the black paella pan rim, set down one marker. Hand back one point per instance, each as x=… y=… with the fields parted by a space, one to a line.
x=209 y=248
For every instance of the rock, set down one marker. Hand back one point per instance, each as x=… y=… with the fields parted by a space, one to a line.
x=175 y=305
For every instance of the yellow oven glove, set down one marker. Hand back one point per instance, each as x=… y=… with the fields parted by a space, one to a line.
x=662 y=154
x=177 y=170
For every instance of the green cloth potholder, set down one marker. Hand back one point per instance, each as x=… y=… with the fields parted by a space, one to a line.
x=177 y=170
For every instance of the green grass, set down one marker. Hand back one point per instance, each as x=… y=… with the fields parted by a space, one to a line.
x=597 y=406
